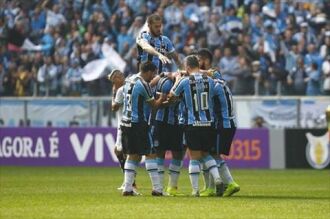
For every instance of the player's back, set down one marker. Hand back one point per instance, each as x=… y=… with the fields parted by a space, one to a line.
x=167 y=114
x=136 y=92
x=223 y=105
x=198 y=91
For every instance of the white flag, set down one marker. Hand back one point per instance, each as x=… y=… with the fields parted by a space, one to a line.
x=94 y=69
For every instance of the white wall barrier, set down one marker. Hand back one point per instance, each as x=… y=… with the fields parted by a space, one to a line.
x=276 y=112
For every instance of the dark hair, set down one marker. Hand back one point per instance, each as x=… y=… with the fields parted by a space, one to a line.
x=314 y=65
x=148 y=66
x=205 y=53
x=192 y=61
x=154 y=17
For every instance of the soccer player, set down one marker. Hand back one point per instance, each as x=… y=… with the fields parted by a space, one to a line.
x=198 y=90
x=225 y=125
x=155 y=47
x=117 y=78
x=168 y=133
x=136 y=138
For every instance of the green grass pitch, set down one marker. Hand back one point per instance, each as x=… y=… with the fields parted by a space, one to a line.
x=83 y=192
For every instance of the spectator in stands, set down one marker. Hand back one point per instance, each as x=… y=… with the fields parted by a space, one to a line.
x=75 y=29
x=48 y=41
x=23 y=81
x=53 y=15
x=2 y=77
x=47 y=78
x=173 y=14
x=9 y=80
x=247 y=49
x=258 y=122
x=306 y=35
x=72 y=79
x=125 y=41
x=271 y=44
x=313 y=80
x=325 y=48
x=38 y=23
x=297 y=78
x=326 y=75
x=214 y=36
x=228 y=63
x=243 y=82
x=256 y=30
x=136 y=27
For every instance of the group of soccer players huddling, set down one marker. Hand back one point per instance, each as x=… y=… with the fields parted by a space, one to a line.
x=191 y=109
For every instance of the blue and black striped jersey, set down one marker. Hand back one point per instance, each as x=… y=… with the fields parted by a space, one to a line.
x=198 y=92
x=170 y=114
x=136 y=93
x=223 y=105
x=216 y=74
x=162 y=44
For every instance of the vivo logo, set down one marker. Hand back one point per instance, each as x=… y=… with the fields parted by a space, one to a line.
x=98 y=141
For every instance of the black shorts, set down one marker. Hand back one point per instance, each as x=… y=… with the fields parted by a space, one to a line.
x=168 y=137
x=200 y=138
x=224 y=137
x=136 y=139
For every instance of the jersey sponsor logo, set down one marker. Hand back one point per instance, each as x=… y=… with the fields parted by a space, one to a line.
x=318 y=150
x=161 y=50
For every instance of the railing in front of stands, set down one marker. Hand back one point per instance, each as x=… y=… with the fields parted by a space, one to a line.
x=275 y=111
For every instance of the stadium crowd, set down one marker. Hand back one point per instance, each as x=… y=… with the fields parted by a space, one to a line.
x=261 y=47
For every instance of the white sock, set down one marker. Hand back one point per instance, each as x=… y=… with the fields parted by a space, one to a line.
x=129 y=174
x=174 y=172
x=211 y=182
x=206 y=176
x=211 y=165
x=194 y=170
x=225 y=173
x=161 y=170
x=152 y=168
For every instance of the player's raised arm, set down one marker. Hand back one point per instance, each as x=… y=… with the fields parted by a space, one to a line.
x=149 y=49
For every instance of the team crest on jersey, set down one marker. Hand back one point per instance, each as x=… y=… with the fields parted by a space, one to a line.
x=162 y=50
x=318 y=150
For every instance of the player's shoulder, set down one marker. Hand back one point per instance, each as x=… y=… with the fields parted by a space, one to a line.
x=145 y=35
x=141 y=81
x=165 y=38
x=219 y=82
x=131 y=78
x=144 y=85
x=164 y=81
x=120 y=90
x=184 y=80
